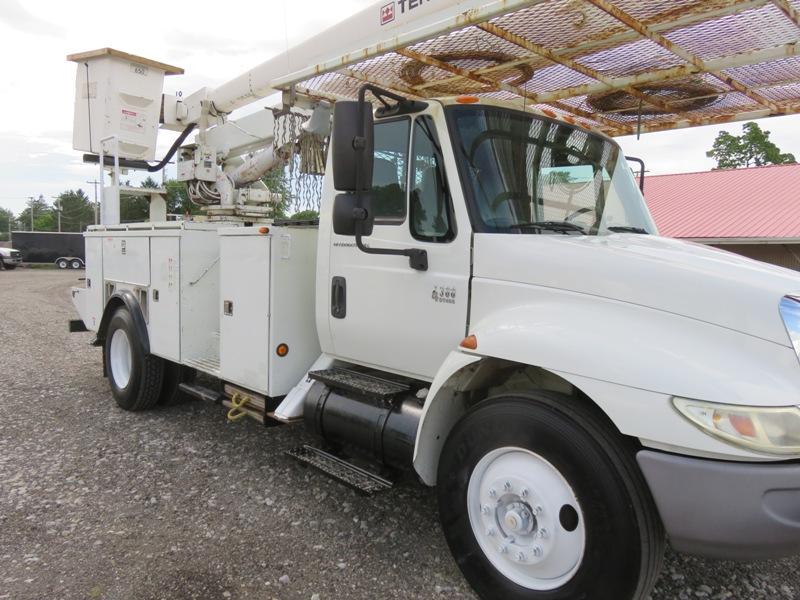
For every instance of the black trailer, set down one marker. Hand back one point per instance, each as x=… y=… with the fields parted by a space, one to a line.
x=64 y=249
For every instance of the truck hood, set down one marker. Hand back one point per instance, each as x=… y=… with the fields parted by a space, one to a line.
x=6 y=251
x=679 y=277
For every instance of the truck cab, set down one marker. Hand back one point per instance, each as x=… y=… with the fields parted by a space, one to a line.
x=454 y=176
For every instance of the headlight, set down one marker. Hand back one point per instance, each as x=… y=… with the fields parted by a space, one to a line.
x=790 y=313
x=768 y=430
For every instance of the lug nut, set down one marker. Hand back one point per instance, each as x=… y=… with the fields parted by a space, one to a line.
x=543 y=533
x=520 y=556
x=507 y=486
x=538 y=510
x=537 y=551
x=524 y=492
x=492 y=492
x=485 y=509
x=491 y=532
x=502 y=549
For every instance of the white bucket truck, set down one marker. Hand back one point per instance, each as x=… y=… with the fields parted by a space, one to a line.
x=485 y=299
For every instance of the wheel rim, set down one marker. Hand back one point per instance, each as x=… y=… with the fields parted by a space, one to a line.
x=121 y=358
x=526 y=518
x=62 y=264
x=76 y=264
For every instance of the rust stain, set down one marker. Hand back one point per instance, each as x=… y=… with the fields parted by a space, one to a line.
x=413 y=72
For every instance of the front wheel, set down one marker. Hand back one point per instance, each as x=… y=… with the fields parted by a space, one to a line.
x=540 y=500
x=62 y=263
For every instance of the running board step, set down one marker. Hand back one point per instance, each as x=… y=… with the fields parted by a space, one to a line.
x=361 y=480
x=349 y=380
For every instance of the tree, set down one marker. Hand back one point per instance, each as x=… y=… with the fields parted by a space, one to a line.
x=7 y=223
x=305 y=215
x=278 y=183
x=76 y=210
x=752 y=148
x=136 y=208
x=40 y=209
x=178 y=202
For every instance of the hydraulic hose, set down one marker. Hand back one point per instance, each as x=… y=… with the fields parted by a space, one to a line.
x=173 y=149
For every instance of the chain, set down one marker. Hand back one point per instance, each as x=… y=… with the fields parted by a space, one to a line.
x=304 y=158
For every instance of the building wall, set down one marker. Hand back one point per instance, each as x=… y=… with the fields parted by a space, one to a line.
x=783 y=255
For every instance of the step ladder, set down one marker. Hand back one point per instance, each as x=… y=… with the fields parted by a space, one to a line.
x=356 y=478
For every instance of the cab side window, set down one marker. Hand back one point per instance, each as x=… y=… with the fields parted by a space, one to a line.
x=429 y=202
x=389 y=171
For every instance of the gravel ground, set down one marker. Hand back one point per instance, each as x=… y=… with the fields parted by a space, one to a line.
x=178 y=503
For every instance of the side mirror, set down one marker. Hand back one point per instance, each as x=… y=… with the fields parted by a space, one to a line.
x=346 y=213
x=352 y=146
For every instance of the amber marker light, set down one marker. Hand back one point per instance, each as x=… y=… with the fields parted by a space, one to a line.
x=282 y=350
x=470 y=342
x=263 y=230
x=467 y=99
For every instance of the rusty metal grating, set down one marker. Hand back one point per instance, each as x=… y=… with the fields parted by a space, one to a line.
x=620 y=66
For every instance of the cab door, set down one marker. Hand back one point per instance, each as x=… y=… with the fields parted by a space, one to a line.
x=384 y=313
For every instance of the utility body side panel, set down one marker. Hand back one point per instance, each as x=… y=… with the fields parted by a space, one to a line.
x=164 y=318
x=199 y=298
x=93 y=294
x=292 y=296
x=244 y=300
x=126 y=259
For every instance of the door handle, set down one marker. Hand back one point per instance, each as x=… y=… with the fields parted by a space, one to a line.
x=338 y=297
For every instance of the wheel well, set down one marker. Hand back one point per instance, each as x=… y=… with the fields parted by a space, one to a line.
x=481 y=380
x=128 y=300
x=499 y=377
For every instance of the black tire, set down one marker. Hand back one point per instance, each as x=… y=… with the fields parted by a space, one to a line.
x=10 y=267
x=624 y=537
x=75 y=264
x=174 y=375
x=146 y=371
x=62 y=263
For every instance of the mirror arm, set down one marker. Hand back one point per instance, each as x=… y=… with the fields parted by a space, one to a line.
x=417 y=257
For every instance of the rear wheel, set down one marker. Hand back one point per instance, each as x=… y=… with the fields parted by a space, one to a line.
x=134 y=376
x=540 y=500
x=62 y=263
x=10 y=267
x=75 y=264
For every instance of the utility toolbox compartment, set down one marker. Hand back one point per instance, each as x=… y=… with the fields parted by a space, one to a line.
x=268 y=335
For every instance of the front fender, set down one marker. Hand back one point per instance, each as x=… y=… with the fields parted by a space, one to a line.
x=630 y=360
x=631 y=345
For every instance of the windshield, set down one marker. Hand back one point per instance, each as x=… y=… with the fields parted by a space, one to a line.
x=525 y=174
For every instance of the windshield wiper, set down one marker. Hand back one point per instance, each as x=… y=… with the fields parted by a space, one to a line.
x=627 y=229
x=560 y=226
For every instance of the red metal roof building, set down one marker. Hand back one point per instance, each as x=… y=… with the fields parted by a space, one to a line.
x=754 y=212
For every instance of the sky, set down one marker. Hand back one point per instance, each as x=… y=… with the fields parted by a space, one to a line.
x=213 y=45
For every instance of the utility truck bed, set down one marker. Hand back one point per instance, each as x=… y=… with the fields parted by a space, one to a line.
x=216 y=298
